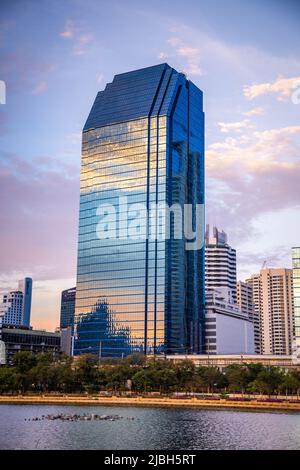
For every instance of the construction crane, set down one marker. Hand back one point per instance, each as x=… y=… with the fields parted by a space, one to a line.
x=264 y=264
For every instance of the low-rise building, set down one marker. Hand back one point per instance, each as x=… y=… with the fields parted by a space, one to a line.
x=16 y=339
x=221 y=361
x=228 y=330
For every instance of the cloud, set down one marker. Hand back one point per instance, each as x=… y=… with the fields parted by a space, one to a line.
x=250 y=175
x=217 y=54
x=100 y=77
x=257 y=150
x=40 y=238
x=81 y=43
x=79 y=37
x=40 y=88
x=282 y=87
x=163 y=55
x=234 y=126
x=273 y=257
x=190 y=56
x=174 y=42
x=69 y=31
x=251 y=262
x=22 y=72
x=255 y=112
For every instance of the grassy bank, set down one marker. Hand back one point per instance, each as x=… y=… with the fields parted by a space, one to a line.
x=152 y=402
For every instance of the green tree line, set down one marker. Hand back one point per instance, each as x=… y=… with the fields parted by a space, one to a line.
x=41 y=373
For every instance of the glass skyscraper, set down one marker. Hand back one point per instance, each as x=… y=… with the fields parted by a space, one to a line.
x=67 y=308
x=139 y=290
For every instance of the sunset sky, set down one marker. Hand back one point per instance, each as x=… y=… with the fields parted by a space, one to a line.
x=56 y=55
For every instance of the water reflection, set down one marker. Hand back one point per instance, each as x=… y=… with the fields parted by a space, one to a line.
x=97 y=332
x=151 y=429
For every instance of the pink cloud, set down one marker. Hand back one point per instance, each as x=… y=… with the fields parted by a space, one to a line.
x=41 y=236
x=251 y=175
x=40 y=88
x=81 y=43
x=23 y=73
x=69 y=31
x=79 y=37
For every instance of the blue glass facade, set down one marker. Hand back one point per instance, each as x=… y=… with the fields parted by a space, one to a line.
x=143 y=143
x=67 y=308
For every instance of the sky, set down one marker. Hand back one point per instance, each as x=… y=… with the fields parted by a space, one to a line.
x=54 y=58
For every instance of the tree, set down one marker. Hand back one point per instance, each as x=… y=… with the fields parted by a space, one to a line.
x=100 y=379
x=290 y=383
x=254 y=370
x=166 y=379
x=267 y=381
x=136 y=359
x=117 y=376
x=39 y=377
x=212 y=378
x=186 y=375
x=237 y=377
x=9 y=380
x=86 y=371
x=23 y=361
x=143 y=380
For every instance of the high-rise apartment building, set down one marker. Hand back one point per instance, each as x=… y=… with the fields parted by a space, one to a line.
x=273 y=310
x=296 y=299
x=16 y=305
x=245 y=302
x=245 y=298
x=139 y=287
x=67 y=308
x=220 y=263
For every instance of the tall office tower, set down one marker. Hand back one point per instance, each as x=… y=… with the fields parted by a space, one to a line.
x=16 y=305
x=140 y=287
x=25 y=286
x=296 y=299
x=67 y=308
x=273 y=310
x=220 y=264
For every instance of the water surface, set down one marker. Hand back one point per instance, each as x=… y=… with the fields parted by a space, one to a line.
x=151 y=429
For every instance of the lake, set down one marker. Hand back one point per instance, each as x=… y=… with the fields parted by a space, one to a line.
x=150 y=429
